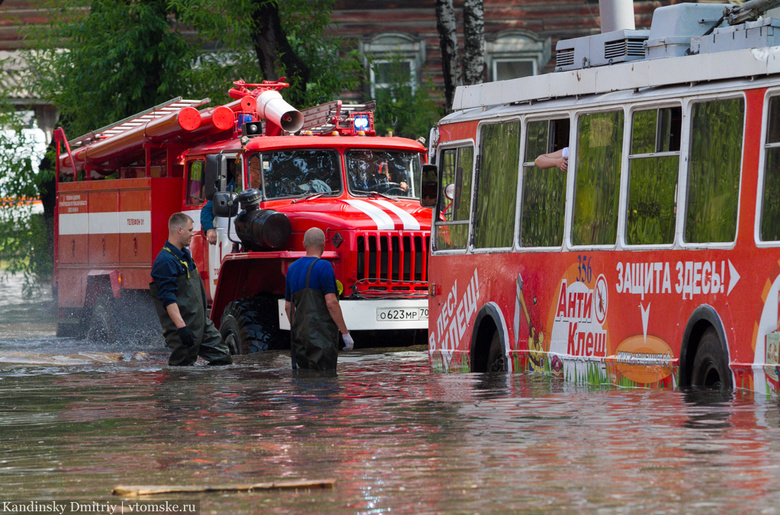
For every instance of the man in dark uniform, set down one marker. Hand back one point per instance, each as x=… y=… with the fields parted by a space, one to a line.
x=312 y=306
x=180 y=299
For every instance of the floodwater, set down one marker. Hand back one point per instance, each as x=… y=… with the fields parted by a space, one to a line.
x=76 y=421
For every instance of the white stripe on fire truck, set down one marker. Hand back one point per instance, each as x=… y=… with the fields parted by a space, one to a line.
x=74 y=223
x=410 y=222
x=104 y=223
x=382 y=220
x=124 y=222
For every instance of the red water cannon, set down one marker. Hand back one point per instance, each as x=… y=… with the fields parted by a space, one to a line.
x=269 y=105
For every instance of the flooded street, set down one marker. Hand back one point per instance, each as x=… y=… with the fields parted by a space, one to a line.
x=77 y=420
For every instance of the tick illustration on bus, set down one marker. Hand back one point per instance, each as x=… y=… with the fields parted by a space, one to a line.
x=644 y=250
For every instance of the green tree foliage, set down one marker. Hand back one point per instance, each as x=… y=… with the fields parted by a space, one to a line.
x=104 y=60
x=23 y=247
x=228 y=26
x=333 y=66
x=402 y=110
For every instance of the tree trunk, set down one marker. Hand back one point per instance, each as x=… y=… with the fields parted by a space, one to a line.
x=448 y=40
x=474 y=42
x=274 y=54
x=47 y=193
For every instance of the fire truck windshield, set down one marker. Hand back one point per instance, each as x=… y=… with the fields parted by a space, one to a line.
x=386 y=172
x=295 y=173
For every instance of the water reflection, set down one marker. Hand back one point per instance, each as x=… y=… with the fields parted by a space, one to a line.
x=396 y=437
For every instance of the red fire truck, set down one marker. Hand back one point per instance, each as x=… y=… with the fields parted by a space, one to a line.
x=269 y=172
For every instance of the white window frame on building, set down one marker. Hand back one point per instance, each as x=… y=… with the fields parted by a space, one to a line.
x=392 y=47
x=517 y=46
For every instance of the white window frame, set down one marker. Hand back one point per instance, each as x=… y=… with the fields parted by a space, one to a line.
x=391 y=47
x=517 y=45
x=386 y=85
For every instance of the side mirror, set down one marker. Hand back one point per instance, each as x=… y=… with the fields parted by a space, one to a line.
x=225 y=204
x=210 y=175
x=429 y=187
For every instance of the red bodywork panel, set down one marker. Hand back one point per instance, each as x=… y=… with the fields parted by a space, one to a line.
x=125 y=182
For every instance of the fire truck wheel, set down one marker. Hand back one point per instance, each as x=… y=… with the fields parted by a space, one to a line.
x=102 y=324
x=711 y=366
x=496 y=359
x=251 y=325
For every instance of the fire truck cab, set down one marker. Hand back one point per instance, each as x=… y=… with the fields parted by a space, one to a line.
x=267 y=172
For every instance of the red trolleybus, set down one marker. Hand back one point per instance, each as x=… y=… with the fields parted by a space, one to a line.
x=654 y=258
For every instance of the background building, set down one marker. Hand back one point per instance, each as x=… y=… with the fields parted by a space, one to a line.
x=397 y=38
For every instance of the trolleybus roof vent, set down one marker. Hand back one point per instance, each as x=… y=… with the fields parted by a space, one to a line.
x=676 y=30
x=624 y=48
x=601 y=49
x=564 y=58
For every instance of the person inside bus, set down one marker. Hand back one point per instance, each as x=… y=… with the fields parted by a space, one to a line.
x=558 y=159
x=207 y=211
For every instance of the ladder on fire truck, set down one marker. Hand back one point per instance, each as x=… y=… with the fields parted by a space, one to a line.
x=173 y=105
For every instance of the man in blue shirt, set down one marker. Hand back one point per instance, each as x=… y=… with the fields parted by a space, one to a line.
x=312 y=306
x=180 y=299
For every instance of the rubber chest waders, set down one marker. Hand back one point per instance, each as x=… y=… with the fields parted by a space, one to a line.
x=191 y=298
x=314 y=334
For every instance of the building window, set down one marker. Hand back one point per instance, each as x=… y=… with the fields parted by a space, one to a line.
x=504 y=69
x=386 y=74
x=393 y=60
x=515 y=54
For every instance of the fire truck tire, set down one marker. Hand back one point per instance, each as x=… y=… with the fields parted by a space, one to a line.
x=496 y=360
x=711 y=365
x=251 y=325
x=71 y=330
x=102 y=323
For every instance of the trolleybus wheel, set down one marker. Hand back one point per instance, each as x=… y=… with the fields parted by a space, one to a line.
x=496 y=358
x=710 y=366
x=251 y=325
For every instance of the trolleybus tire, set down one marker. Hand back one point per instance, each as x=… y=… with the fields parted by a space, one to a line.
x=711 y=366
x=251 y=325
x=496 y=361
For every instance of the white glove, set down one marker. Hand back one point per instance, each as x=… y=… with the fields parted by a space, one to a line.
x=349 y=343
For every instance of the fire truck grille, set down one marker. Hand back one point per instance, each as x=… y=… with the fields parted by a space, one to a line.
x=392 y=264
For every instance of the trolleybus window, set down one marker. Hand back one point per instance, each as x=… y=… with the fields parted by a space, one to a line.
x=494 y=219
x=713 y=173
x=770 y=207
x=544 y=191
x=452 y=227
x=599 y=145
x=654 y=163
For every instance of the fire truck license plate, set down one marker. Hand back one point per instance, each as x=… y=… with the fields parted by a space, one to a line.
x=401 y=314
